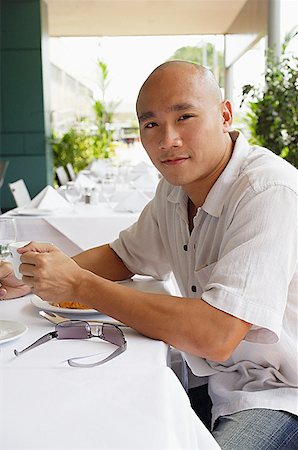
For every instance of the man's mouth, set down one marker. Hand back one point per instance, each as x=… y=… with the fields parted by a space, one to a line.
x=175 y=161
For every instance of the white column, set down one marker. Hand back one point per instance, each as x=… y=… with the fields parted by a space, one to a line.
x=274 y=27
x=228 y=76
x=229 y=83
x=215 y=63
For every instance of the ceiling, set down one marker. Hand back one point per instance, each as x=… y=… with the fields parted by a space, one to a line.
x=142 y=17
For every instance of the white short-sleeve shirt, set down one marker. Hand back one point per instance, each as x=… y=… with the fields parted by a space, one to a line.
x=241 y=257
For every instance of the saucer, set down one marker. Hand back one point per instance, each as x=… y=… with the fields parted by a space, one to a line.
x=10 y=330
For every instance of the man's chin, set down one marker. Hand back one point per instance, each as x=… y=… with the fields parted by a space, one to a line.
x=175 y=181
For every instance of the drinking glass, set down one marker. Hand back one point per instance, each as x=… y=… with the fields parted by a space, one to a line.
x=108 y=187
x=8 y=234
x=72 y=193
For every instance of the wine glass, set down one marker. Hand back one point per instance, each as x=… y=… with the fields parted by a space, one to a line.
x=108 y=187
x=8 y=234
x=72 y=193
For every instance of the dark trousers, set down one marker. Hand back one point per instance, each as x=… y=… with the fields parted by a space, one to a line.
x=201 y=403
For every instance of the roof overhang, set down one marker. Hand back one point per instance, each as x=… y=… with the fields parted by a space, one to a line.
x=143 y=17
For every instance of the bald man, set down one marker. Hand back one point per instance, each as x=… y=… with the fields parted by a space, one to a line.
x=223 y=220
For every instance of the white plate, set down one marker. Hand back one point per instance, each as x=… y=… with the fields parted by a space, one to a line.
x=31 y=212
x=42 y=304
x=10 y=330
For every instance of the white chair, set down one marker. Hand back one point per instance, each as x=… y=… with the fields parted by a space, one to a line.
x=20 y=192
x=62 y=175
x=70 y=171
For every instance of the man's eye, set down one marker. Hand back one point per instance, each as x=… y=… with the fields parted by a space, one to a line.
x=150 y=125
x=185 y=116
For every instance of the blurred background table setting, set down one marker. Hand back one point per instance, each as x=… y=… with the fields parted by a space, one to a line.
x=74 y=228
x=90 y=210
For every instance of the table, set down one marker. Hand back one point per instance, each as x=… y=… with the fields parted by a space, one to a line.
x=134 y=401
x=75 y=230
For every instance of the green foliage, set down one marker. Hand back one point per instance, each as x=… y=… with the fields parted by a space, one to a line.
x=195 y=54
x=85 y=141
x=80 y=145
x=273 y=111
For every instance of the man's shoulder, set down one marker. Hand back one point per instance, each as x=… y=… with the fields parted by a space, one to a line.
x=264 y=170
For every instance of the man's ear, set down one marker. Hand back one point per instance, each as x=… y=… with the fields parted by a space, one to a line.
x=227 y=115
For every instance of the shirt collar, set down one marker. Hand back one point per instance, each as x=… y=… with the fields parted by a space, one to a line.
x=214 y=202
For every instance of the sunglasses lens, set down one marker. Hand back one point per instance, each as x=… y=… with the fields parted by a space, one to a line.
x=113 y=334
x=73 y=330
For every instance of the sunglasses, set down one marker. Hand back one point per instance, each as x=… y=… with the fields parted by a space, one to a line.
x=79 y=329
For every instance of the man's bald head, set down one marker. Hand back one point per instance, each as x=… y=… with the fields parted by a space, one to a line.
x=207 y=81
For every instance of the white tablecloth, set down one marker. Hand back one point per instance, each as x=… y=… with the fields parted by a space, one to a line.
x=75 y=230
x=133 y=402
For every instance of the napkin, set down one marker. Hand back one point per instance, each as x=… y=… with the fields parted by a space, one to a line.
x=134 y=202
x=84 y=181
x=49 y=199
x=147 y=181
x=140 y=168
x=120 y=195
x=99 y=167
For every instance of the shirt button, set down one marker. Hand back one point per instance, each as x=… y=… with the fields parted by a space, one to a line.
x=194 y=288
x=185 y=247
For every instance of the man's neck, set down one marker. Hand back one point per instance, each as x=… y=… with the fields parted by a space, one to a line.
x=199 y=191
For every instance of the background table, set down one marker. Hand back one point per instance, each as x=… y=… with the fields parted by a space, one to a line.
x=73 y=231
x=133 y=402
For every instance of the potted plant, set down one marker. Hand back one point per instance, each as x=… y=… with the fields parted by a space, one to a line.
x=86 y=140
x=272 y=118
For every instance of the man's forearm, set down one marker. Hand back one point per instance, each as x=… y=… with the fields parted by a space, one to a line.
x=103 y=261
x=188 y=324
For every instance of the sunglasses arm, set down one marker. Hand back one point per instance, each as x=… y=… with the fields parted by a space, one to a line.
x=72 y=362
x=47 y=337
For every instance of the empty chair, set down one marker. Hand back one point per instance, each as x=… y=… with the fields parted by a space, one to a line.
x=62 y=175
x=70 y=171
x=3 y=169
x=20 y=192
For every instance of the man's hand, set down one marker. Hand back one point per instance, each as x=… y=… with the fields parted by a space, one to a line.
x=10 y=286
x=49 y=272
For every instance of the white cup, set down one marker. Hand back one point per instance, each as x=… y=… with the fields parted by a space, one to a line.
x=16 y=256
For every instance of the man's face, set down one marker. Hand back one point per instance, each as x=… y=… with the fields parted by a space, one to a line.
x=181 y=125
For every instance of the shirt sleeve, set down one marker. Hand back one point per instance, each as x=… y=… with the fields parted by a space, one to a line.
x=257 y=261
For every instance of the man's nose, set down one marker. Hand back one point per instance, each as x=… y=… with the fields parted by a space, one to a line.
x=169 y=137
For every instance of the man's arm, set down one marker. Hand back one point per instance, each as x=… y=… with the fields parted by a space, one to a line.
x=103 y=261
x=190 y=325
